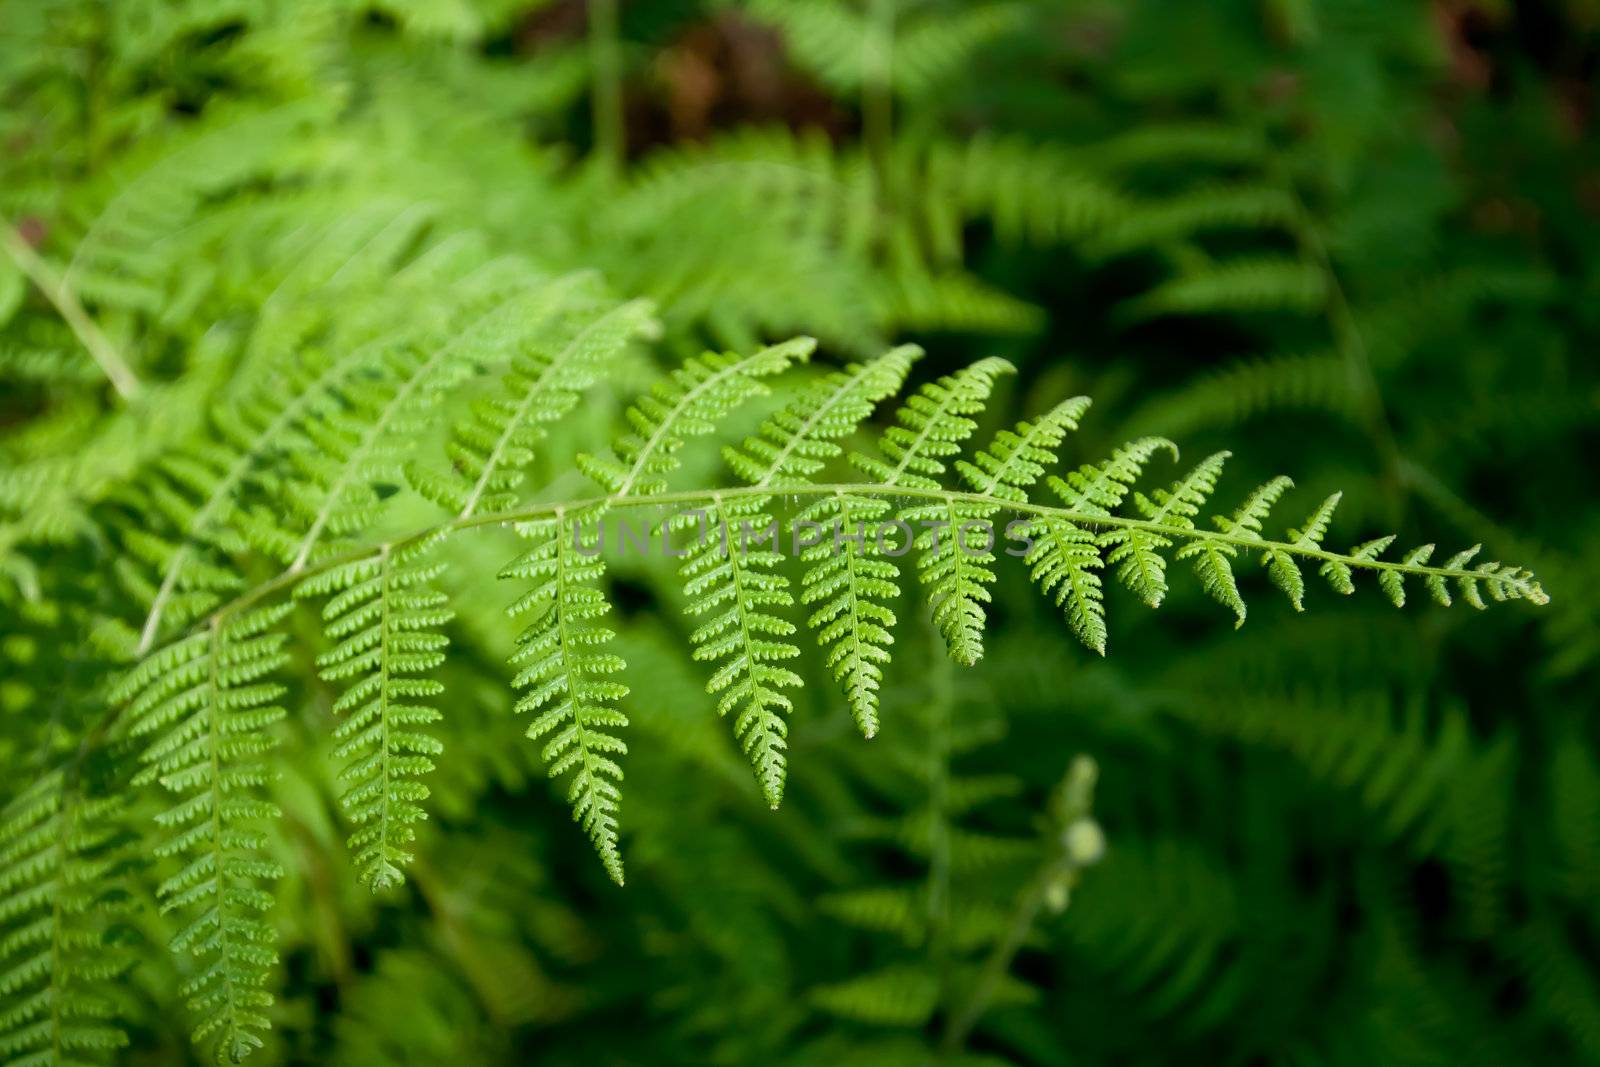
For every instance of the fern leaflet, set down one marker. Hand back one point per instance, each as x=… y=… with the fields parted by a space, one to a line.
x=210 y=711
x=562 y=664
x=58 y=890
x=383 y=619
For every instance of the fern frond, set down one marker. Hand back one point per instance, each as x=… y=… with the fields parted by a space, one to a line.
x=1396 y=760
x=134 y=212
x=1137 y=551
x=1017 y=459
x=793 y=445
x=932 y=49
x=738 y=588
x=1029 y=192
x=730 y=568
x=344 y=416
x=1170 y=942
x=922 y=302
x=1179 y=218
x=495 y=441
x=1316 y=383
x=894 y=996
x=1266 y=283
x=208 y=712
x=59 y=892
x=1099 y=489
x=1164 y=144
x=1064 y=558
x=1212 y=558
x=367 y=443
x=691 y=401
x=562 y=662
x=827 y=37
x=932 y=424
x=958 y=574
x=1281 y=566
x=383 y=620
x=849 y=588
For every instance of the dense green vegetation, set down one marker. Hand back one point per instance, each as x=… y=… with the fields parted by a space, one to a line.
x=334 y=333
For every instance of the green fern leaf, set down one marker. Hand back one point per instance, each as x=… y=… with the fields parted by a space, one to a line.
x=1242 y=285
x=1441 y=591
x=59 y=895
x=1136 y=550
x=1017 y=459
x=738 y=587
x=792 y=446
x=1281 y=565
x=1339 y=573
x=849 y=587
x=1179 y=218
x=351 y=418
x=1065 y=559
x=894 y=996
x=956 y=572
x=689 y=402
x=1098 y=490
x=1393 y=581
x=384 y=620
x=931 y=426
x=562 y=662
x=548 y=375
x=210 y=711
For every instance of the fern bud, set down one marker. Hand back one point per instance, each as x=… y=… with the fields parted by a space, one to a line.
x=1084 y=843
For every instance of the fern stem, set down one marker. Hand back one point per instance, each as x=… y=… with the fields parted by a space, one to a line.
x=384 y=660
x=606 y=63
x=877 y=91
x=214 y=699
x=939 y=815
x=883 y=490
x=58 y=915
x=1527 y=587
x=998 y=963
x=65 y=301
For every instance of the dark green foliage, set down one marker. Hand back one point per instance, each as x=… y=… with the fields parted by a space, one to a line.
x=334 y=335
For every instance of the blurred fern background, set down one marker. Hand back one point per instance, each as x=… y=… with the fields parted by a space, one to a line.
x=1353 y=239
